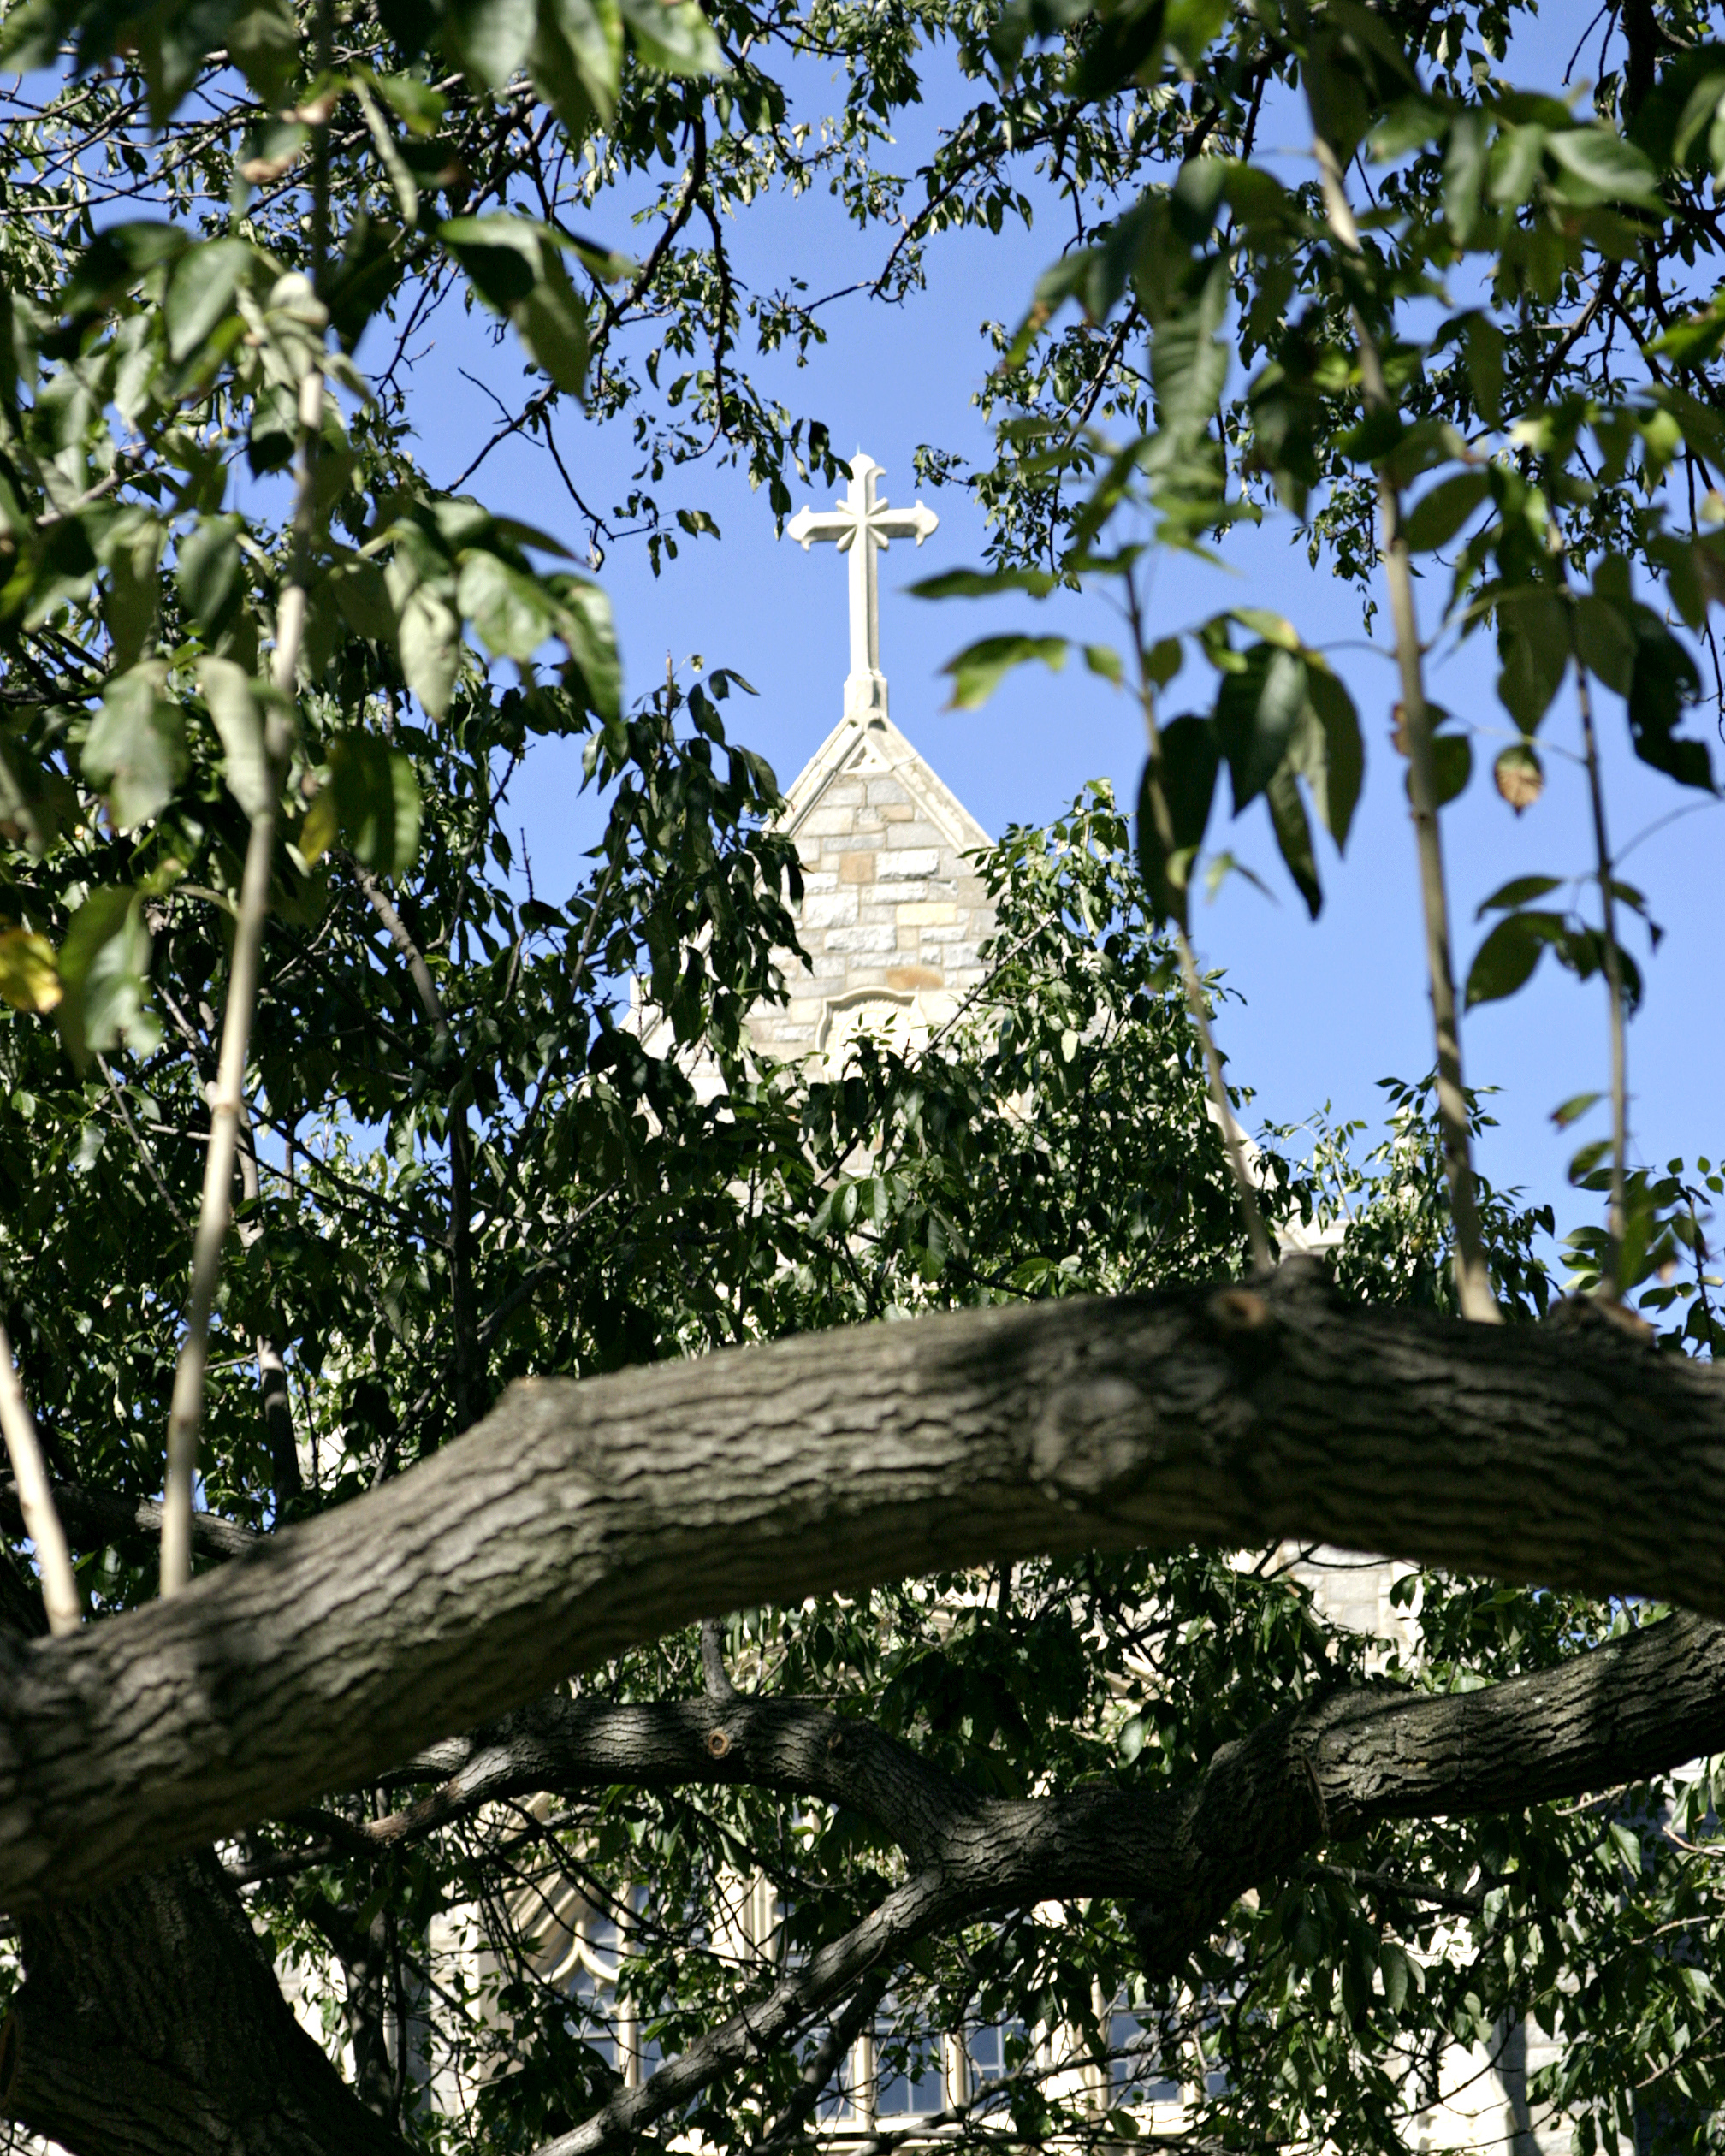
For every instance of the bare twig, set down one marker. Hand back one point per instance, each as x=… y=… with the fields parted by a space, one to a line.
x=714 y=1674
x=36 y=1499
x=1262 y=1257
x=1473 y=1280
x=228 y=1104
x=1611 y=1282
x=467 y=1373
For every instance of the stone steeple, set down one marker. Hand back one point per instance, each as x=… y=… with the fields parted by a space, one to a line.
x=894 y=914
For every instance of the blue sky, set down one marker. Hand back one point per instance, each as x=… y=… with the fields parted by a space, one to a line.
x=1328 y=1008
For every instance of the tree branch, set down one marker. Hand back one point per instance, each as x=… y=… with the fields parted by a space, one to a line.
x=97 y=1519
x=1634 y=1708
x=579 y=1519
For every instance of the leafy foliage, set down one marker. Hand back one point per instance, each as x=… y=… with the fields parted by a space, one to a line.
x=459 y=1165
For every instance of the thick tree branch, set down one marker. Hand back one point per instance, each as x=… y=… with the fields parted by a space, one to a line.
x=1624 y=1711
x=581 y=1519
x=97 y=1519
x=150 y=2019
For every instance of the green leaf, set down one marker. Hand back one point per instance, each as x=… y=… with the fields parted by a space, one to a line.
x=1188 y=361
x=210 y=572
x=1190 y=758
x=401 y=180
x=516 y=267
x=1464 y=174
x=377 y=798
x=115 y=259
x=363 y=596
x=1600 y=166
x=1605 y=642
x=1520 y=891
x=1104 y=660
x=1294 y=837
x=1393 y=1963
x=594 y=669
x=1509 y=954
x=985 y=583
x=135 y=751
x=1440 y=513
x=1127 y=43
x=1256 y=711
x=1516 y=158
x=263 y=41
x=29 y=977
x=1627 y=1843
x=132 y=553
x=429 y=643
x=1162 y=660
x=104 y=964
x=1573 y=1109
x=673 y=35
x=1452 y=766
x=1191 y=27
x=416 y=104
x=1485 y=364
x=228 y=691
x=491 y=37
x=511 y=612
x=979 y=670
x=1533 y=645
x=552 y=323
x=1337 y=775
x=1662 y=682
x=371 y=267
x=1679 y=111
x=200 y=291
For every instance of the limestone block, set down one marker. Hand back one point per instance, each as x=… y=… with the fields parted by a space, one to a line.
x=917 y=832
x=867 y=936
x=830 y=909
x=928 y=913
x=907 y=862
x=884 y=789
x=856 y=867
x=914 y=977
x=825 y=822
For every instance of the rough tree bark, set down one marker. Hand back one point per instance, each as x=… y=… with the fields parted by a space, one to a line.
x=580 y=1519
x=151 y=2024
x=1179 y=1857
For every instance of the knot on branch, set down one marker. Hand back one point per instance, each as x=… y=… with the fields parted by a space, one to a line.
x=1095 y=1438
x=1600 y=1317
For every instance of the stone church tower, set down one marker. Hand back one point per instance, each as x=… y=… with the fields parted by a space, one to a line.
x=894 y=914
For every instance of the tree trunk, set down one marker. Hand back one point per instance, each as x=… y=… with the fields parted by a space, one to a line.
x=150 y=2023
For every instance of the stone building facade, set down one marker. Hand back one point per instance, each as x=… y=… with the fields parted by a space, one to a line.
x=894 y=914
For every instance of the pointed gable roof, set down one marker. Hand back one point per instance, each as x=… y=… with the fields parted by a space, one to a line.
x=893 y=914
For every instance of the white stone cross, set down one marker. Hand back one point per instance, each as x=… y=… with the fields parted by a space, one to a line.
x=860 y=526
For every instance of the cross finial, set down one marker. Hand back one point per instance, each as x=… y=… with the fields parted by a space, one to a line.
x=860 y=525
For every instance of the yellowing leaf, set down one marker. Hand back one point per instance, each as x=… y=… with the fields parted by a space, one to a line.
x=317 y=833
x=1520 y=780
x=29 y=977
